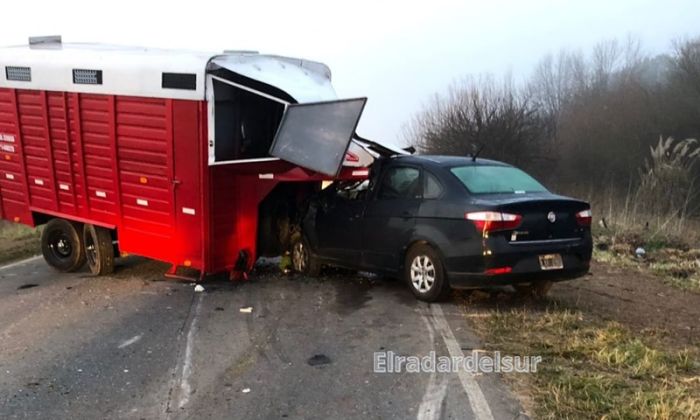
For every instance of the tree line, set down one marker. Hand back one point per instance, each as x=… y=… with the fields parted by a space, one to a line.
x=581 y=120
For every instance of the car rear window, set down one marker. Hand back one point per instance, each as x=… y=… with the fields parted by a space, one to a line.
x=482 y=179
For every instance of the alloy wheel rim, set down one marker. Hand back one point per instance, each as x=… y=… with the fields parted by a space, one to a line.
x=422 y=273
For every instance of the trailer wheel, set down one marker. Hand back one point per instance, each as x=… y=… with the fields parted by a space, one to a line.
x=302 y=260
x=62 y=245
x=99 y=250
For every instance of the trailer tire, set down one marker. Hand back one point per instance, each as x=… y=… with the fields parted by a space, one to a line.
x=99 y=250
x=303 y=261
x=62 y=245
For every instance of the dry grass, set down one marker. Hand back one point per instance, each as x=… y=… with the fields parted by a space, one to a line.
x=660 y=206
x=659 y=214
x=18 y=241
x=674 y=263
x=595 y=369
x=14 y=231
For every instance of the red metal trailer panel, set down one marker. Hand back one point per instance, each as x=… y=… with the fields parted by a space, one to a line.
x=124 y=162
x=14 y=191
x=189 y=160
x=130 y=145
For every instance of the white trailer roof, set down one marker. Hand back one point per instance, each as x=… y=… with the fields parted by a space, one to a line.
x=136 y=71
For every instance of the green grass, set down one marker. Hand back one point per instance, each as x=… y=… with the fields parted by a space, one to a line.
x=594 y=369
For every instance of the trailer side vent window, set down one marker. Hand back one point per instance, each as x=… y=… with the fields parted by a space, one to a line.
x=187 y=81
x=87 y=77
x=19 y=74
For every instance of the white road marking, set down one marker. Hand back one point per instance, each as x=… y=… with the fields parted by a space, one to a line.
x=185 y=387
x=477 y=401
x=130 y=341
x=20 y=262
x=431 y=406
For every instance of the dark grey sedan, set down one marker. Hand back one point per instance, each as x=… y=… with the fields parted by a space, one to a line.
x=443 y=222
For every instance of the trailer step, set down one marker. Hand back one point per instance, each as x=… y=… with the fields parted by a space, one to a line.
x=172 y=273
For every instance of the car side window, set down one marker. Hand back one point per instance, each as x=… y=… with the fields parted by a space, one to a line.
x=431 y=188
x=400 y=182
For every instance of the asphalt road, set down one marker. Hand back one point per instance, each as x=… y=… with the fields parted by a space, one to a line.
x=134 y=345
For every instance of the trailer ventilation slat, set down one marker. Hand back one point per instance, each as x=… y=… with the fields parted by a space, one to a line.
x=18 y=74
x=87 y=77
x=187 y=81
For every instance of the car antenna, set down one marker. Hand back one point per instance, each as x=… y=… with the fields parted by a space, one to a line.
x=478 y=149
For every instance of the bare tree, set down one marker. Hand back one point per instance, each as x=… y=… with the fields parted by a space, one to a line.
x=481 y=113
x=687 y=62
x=580 y=119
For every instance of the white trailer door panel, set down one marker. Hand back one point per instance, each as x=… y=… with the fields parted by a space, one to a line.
x=317 y=135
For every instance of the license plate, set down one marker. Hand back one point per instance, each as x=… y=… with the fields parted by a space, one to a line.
x=551 y=262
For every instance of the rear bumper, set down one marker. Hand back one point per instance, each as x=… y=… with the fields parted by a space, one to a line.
x=459 y=280
x=524 y=262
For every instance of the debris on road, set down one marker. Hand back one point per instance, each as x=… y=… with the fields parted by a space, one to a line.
x=245 y=390
x=318 y=359
x=132 y=340
x=640 y=252
x=199 y=288
x=247 y=310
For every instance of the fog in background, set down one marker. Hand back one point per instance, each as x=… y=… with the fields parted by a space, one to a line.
x=397 y=53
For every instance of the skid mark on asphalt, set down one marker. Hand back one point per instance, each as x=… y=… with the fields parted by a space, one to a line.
x=477 y=401
x=431 y=406
x=181 y=386
x=185 y=387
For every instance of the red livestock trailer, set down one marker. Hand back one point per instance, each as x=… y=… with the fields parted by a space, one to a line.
x=196 y=159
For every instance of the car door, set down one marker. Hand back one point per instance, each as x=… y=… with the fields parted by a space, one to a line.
x=338 y=225
x=389 y=217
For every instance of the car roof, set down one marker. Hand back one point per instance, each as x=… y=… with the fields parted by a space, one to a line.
x=447 y=161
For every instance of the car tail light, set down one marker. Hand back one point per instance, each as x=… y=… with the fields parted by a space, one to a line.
x=584 y=217
x=497 y=271
x=489 y=221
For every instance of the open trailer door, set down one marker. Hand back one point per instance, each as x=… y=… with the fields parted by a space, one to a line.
x=269 y=107
x=317 y=135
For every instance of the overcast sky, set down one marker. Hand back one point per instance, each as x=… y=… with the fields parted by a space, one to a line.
x=396 y=53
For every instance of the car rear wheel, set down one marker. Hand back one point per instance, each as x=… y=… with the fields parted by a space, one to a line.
x=425 y=274
x=302 y=259
x=99 y=250
x=62 y=245
x=537 y=289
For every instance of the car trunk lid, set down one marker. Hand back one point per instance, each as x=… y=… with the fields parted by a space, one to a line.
x=545 y=217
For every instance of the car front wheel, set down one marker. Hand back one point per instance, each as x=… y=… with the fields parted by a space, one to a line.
x=425 y=274
x=302 y=260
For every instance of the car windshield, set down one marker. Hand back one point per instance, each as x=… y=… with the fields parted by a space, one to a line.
x=483 y=179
